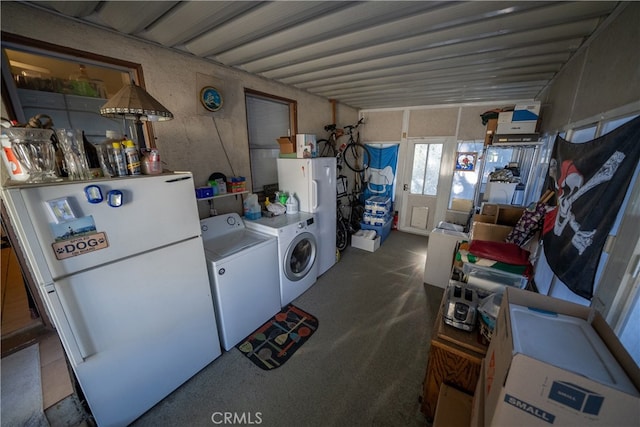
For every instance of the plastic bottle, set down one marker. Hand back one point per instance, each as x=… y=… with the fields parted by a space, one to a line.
x=118 y=159
x=132 y=157
x=105 y=154
x=14 y=168
x=292 y=204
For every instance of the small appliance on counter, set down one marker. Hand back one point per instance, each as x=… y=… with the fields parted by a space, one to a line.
x=461 y=306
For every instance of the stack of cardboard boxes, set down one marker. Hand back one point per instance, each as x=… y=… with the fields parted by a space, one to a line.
x=495 y=222
x=518 y=125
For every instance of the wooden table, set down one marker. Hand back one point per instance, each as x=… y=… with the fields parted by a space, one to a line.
x=455 y=357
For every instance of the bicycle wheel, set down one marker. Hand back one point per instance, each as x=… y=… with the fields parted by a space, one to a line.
x=357 y=157
x=342 y=236
x=357 y=214
x=325 y=149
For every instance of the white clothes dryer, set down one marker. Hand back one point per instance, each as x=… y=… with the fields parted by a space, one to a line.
x=297 y=251
x=243 y=273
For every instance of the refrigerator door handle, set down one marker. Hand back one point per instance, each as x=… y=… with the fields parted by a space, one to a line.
x=182 y=178
x=314 y=195
x=65 y=330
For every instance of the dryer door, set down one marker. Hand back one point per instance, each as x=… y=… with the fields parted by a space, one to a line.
x=300 y=256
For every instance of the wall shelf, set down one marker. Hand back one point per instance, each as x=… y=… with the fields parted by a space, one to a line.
x=220 y=196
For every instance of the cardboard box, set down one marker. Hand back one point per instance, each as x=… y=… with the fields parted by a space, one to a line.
x=526 y=112
x=286 y=145
x=505 y=117
x=306 y=146
x=516 y=127
x=490 y=232
x=489 y=209
x=487 y=219
x=461 y=205
x=370 y=245
x=509 y=215
x=492 y=126
x=454 y=408
x=523 y=119
x=555 y=362
x=500 y=214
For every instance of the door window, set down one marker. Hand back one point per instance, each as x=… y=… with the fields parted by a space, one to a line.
x=425 y=173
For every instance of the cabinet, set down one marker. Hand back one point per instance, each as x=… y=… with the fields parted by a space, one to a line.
x=455 y=359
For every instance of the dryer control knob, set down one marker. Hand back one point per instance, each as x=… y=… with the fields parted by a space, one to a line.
x=301 y=225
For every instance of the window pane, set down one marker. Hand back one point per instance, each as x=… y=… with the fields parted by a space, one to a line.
x=419 y=164
x=433 y=170
x=464 y=183
x=613 y=124
x=426 y=169
x=266 y=121
x=583 y=135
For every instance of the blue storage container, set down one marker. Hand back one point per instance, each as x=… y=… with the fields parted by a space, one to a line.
x=382 y=230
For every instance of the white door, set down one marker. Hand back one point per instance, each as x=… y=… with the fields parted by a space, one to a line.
x=427 y=181
x=143 y=326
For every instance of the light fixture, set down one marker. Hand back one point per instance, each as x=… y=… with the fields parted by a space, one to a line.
x=134 y=103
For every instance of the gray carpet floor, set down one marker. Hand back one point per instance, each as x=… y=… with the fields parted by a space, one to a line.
x=364 y=366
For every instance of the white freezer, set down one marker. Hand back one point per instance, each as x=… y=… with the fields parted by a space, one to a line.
x=314 y=183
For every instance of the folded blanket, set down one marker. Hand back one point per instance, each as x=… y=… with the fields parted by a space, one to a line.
x=509 y=253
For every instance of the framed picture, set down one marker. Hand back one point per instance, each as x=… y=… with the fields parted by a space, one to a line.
x=60 y=210
x=466 y=162
x=211 y=98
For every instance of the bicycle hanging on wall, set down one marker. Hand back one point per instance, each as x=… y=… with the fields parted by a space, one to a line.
x=353 y=153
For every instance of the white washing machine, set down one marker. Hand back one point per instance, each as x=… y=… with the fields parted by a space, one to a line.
x=297 y=251
x=243 y=273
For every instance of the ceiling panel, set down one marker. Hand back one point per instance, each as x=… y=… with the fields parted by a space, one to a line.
x=369 y=54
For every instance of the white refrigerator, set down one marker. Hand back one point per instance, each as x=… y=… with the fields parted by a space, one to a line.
x=126 y=286
x=313 y=181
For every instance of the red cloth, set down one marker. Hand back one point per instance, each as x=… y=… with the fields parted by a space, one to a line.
x=509 y=253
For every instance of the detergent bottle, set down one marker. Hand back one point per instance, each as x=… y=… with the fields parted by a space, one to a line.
x=292 y=204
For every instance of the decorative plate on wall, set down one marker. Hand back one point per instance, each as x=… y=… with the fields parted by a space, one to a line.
x=211 y=98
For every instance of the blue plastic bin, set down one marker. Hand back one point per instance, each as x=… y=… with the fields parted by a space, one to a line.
x=382 y=231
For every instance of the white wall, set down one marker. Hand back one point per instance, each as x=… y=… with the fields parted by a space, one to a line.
x=601 y=77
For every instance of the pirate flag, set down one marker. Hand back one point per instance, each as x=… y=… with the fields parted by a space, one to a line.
x=590 y=181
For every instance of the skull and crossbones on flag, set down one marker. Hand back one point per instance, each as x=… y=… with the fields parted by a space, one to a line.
x=590 y=181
